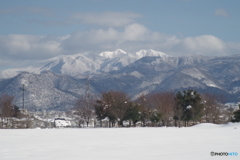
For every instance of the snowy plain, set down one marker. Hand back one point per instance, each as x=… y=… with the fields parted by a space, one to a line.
x=189 y=143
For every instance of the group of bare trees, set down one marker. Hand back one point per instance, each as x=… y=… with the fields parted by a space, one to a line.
x=157 y=109
x=7 y=111
x=212 y=108
x=84 y=109
x=10 y=115
x=163 y=103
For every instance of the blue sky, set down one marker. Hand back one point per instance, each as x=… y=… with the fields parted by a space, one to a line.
x=32 y=30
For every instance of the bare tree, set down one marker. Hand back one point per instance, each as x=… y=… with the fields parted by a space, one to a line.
x=119 y=106
x=228 y=114
x=6 y=110
x=114 y=105
x=84 y=109
x=163 y=103
x=145 y=109
x=212 y=108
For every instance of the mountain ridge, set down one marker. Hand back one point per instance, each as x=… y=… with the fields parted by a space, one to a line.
x=90 y=64
x=56 y=83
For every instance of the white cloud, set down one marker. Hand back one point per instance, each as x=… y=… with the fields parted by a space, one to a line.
x=29 y=46
x=221 y=12
x=204 y=45
x=131 y=39
x=135 y=37
x=106 y=39
x=112 y=19
x=135 y=32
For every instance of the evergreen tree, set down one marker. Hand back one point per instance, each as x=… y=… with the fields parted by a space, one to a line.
x=133 y=114
x=189 y=104
x=236 y=117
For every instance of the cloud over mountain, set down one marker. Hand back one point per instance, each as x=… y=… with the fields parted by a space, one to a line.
x=131 y=38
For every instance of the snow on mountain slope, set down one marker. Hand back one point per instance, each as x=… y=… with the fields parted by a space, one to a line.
x=114 y=54
x=196 y=73
x=117 y=62
x=151 y=53
x=44 y=91
x=192 y=60
x=175 y=73
x=219 y=67
x=125 y=72
x=74 y=65
x=79 y=65
x=119 y=58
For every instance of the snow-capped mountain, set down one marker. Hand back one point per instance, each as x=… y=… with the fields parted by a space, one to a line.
x=73 y=65
x=151 y=53
x=60 y=80
x=114 y=54
x=153 y=74
x=79 y=65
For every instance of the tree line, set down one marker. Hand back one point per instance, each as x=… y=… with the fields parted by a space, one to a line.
x=157 y=109
x=183 y=108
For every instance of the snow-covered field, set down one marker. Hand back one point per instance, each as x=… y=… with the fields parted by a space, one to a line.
x=121 y=143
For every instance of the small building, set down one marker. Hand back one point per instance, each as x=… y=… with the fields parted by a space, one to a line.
x=61 y=122
x=23 y=111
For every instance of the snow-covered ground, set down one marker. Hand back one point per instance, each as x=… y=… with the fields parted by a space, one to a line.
x=121 y=143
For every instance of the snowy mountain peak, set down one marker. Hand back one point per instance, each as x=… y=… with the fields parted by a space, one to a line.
x=114 y=54
x=152 y=53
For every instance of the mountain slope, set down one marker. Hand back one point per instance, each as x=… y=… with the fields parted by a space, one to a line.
x=44 y=91
x=56 y=83
x=154 y=74
x=79 y=65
